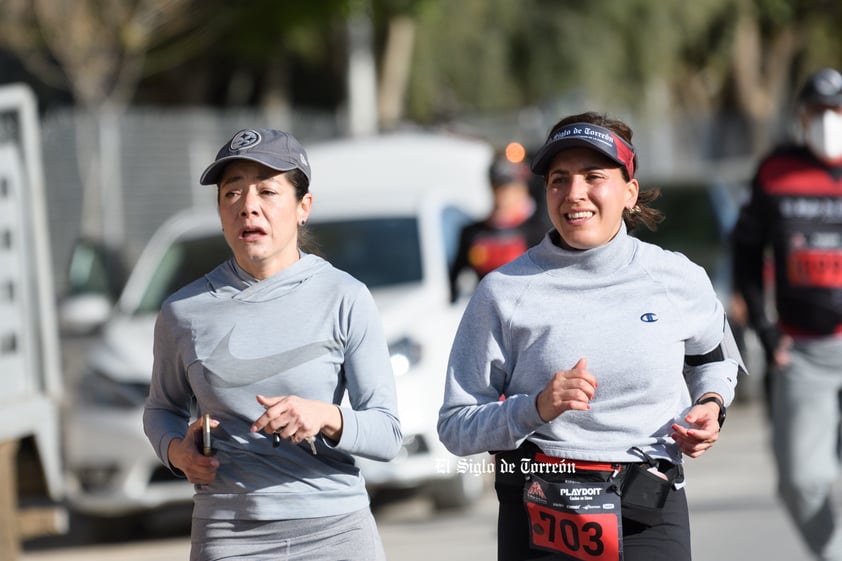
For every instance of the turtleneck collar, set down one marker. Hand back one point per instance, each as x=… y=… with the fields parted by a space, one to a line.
x=602 y=260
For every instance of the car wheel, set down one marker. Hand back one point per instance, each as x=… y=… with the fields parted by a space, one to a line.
x=458 y=492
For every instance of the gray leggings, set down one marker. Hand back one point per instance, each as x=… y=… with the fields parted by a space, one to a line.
x=805 y=417
x=345 y=537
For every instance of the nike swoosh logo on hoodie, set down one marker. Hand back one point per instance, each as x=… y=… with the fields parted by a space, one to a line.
x=224 y=370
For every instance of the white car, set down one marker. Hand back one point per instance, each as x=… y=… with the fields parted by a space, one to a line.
x=386 y=209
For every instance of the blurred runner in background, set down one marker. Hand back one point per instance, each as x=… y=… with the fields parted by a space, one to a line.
x=796 y=210
x=512 y=227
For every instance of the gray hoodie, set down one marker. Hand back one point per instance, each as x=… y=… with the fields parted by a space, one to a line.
x=311 y=331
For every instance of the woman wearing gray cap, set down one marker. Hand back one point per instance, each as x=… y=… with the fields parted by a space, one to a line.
x=265 y=346
x=589 y=366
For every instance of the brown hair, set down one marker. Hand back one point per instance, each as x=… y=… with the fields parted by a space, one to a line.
x=641 y=212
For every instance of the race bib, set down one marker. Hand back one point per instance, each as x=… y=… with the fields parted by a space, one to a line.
x=815 y=267
x=580 y=520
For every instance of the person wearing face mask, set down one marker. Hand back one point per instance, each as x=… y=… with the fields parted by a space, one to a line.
x=614 y=358
x=795 y=209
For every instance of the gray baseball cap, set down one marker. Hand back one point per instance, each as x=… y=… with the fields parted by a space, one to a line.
x=276 y=149
x=503 y=171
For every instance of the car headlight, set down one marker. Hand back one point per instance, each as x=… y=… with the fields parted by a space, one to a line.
x=404 y=354
x=100 y=389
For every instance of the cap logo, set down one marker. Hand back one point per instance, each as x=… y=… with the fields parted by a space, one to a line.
x=600 y=138
x=245 y=139
x=587 y=132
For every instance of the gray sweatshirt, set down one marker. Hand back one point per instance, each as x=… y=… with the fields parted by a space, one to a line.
x=311 y=331
x=632 y=309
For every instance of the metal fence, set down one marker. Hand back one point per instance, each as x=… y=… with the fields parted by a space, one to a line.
x=156 y=156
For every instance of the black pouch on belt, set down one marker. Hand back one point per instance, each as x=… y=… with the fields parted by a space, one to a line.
x=646 y=485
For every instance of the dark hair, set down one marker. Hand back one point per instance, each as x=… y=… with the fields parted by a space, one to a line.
x=298 y=179
x=641 y=212
x=503 y=171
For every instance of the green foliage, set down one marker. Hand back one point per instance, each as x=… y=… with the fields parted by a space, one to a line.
x=462 y=58
x=256 y=30
x=481 y=55
x=497 y=55
x=487 y=55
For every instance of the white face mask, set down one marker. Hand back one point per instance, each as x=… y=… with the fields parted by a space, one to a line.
x=823 y=136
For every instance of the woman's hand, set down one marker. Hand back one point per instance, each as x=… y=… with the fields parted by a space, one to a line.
x=185 y=454
x=703 y=430
x=782 y=355
x=296 y=418
x=569 y=389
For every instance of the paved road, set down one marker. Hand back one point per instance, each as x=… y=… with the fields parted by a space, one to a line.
x=734 y=514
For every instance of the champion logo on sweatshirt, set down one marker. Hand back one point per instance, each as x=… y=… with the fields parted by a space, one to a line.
x=649 y=317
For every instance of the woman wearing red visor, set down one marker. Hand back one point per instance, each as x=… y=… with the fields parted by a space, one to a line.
x=615 y=360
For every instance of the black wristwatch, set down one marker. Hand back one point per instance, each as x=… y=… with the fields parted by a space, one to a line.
x=718 y=402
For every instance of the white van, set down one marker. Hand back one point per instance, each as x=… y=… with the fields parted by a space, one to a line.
x=388 y=210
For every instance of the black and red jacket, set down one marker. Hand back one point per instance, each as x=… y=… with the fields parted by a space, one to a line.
x=796 y=210
x=484 y=246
